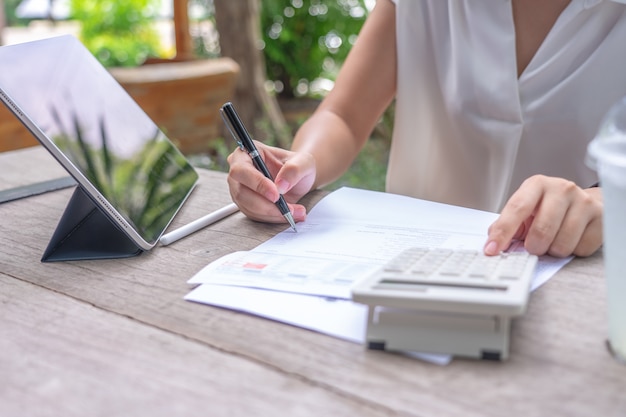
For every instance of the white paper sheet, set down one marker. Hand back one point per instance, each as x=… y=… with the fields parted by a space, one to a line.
x=346 y=236
x=342 y=319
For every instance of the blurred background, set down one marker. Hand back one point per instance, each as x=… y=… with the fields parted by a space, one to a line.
x=182 y=59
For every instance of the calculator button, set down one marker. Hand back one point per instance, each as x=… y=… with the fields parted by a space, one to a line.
x=456 y=266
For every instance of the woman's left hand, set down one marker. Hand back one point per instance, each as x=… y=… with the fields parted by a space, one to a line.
x=552 y=216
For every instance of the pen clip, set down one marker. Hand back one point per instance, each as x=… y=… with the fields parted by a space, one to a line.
x=230 y=128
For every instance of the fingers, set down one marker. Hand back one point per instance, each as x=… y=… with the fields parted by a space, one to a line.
x=581 y=230
x=513 y=220
x=549 y=221
x=553 y=216
x=297 y=176
x=576 y=237
x=255 y=194
x=243 y=172
x=259 y=208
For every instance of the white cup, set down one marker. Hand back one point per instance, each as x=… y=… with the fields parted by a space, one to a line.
x=607 y=155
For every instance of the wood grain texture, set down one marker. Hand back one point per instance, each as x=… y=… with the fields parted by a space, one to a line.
x=28 y=166
x=62 y=356
x=118 y=336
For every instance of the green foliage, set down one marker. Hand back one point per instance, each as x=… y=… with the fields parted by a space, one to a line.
x=118 y=33
x=9 y=11
x=305 y=40
x=368 y=171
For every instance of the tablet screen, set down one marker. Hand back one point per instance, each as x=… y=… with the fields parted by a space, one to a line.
x=97 y=131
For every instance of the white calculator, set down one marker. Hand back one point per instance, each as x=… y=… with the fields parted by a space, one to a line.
x=451 y=301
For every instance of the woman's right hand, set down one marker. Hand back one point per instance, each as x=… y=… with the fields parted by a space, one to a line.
x=328 y=142
x=255 y=195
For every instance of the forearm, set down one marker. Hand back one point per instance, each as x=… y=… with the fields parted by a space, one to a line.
x=365 y=86
x=333 y=146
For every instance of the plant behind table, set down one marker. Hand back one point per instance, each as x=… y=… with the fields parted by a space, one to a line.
x=118 y=33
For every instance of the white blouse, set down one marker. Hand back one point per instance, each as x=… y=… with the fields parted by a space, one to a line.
x=467 y=130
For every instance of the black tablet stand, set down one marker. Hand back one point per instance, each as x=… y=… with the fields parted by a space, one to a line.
x=86 y=232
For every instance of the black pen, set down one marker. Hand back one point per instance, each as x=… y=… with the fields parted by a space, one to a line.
x=243 y=139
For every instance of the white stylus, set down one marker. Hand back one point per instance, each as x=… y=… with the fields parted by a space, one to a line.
x=198 y=224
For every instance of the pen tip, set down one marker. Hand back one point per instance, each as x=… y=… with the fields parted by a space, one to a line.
x=292 y=223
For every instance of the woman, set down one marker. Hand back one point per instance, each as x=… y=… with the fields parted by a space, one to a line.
x=495 y=104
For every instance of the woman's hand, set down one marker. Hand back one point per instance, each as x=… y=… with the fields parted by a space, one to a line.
x=552 y=216
x=255 y=195
x=328 y=142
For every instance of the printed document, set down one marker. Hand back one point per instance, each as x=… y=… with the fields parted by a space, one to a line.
x=346 y=236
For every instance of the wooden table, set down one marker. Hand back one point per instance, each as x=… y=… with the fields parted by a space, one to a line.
x=115 y=338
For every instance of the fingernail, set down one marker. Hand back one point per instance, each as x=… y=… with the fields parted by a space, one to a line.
x=282 y=185
x=491 y=248
x=299 y=213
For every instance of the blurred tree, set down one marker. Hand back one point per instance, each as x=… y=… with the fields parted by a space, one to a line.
x=10 y=9
x=118 y=33
x=307 y=41
x=240 y=37
x=182 y=35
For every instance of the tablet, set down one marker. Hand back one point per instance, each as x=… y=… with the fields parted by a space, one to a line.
x=123 y=163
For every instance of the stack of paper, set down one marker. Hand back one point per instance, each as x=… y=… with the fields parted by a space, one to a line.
x=304 y=278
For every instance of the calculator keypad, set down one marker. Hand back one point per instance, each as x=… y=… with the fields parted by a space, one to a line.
x=456 y=265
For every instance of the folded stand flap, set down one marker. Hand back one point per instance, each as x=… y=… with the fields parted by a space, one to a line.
x=86 y=232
